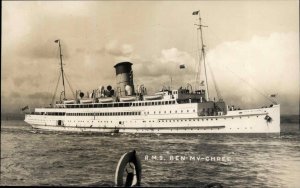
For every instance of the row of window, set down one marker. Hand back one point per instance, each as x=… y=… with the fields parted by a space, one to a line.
x=50 y=113
x=105 y=114
x=159 y=112
x=107 y=105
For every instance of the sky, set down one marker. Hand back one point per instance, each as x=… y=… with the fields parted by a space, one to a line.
x=252 y=48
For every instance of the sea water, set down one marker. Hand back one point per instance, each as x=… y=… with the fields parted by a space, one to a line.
x=46 y=158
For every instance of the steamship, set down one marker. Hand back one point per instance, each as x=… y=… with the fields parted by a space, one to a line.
x=127 y=108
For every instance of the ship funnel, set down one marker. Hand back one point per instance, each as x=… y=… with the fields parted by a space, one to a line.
x=124 y=78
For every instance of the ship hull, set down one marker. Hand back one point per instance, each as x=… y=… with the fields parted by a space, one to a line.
x=263 y=120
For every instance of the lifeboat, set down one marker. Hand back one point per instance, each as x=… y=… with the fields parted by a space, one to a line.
x=84 y=101
x=69 y=102
x=105 y=99
x=152 y=97
x=127 y=99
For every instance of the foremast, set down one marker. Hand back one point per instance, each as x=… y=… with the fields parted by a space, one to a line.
x=202 y=54
x=62 y=68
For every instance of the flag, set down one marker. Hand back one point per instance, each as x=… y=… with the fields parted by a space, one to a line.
x=196 y=12
x=182 y=66
x=25 y=108
x=202 y=83
x=56 y=41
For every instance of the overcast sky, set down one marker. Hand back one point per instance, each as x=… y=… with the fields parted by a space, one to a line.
x=252 y=48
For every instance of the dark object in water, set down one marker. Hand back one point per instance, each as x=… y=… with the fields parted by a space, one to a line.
x=130 y=163
x=213 y=185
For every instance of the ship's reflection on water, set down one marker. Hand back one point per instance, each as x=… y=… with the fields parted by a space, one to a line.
x=52 y=158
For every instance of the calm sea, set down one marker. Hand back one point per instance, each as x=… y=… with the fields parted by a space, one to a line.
x=73 y=159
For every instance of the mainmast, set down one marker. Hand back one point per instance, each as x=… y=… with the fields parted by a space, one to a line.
x=61 y=67
x=203 y=52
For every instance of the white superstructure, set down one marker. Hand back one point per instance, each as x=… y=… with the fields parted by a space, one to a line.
x=128 y=108
x=163 y=116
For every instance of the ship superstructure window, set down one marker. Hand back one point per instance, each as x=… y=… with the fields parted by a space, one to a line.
x=118 y=104
x=50 y=113
x=97 y=114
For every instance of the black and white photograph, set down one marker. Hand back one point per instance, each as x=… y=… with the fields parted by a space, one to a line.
x=150 y=93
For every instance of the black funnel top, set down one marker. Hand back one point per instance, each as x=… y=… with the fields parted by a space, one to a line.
x=123 y=67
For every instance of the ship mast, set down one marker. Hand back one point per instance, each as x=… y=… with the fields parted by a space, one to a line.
x=203 y=52
x=61 y=67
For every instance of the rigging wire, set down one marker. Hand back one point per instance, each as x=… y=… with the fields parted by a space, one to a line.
x=54 y=94
x=258 y=91
x=261 y=93
x=199 y=57
x=55 y=91
x=215 y=83
x=70 y=85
